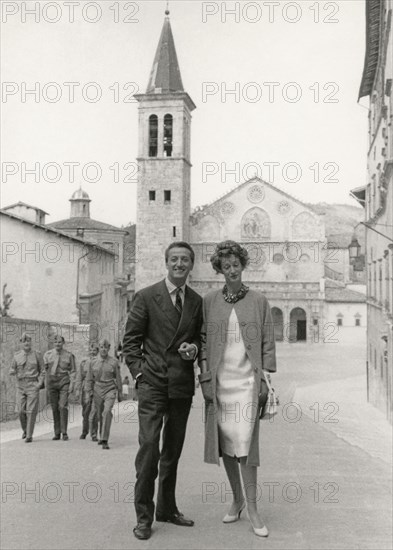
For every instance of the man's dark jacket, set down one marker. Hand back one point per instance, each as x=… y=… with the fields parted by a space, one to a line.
x=153 y=335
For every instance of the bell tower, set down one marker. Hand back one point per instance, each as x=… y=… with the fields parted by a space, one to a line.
x=164 y=166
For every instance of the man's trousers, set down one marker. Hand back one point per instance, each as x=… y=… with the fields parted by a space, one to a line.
x=27 y=397
x=155 y=410
x=104 y=405
x=58 y=397
x=89 y=415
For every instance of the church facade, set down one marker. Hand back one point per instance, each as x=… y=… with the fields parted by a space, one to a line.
x=285 y=240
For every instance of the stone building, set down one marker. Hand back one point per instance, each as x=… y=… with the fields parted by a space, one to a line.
x=60 y=278
x=285 y=237
x=81 y=225
x=27 y=212
x=377 y=199
x=163 y=196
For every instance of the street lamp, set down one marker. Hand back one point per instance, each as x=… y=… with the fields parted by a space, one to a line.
x=354 y=249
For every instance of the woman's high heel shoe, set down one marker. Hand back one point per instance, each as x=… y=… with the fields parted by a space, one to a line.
x=230 y=519
x=259 y=531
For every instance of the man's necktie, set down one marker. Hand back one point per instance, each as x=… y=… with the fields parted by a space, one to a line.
x=178 y=302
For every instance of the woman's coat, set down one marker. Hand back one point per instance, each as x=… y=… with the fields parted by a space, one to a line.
x=256 y=328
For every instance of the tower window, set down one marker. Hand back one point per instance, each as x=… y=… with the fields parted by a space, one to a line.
x=174 y=231
x=153 y=135
x=357 y=322
x=152 y=195
x=339 y=322
x=168 y=135
x=167 y=197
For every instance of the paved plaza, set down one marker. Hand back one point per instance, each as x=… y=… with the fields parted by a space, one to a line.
x=324 y=482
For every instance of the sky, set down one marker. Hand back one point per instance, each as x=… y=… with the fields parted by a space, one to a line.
x=275 y=85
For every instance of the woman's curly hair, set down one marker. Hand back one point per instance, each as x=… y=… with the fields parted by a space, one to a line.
x=228 y=248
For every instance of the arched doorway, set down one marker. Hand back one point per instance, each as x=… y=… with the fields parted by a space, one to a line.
x=278 y=323
x=298 y=325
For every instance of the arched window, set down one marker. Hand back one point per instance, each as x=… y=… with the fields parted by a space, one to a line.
x=168 y=135
x=153 y=135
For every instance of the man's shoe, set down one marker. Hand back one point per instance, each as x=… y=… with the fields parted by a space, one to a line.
x=65 y=437
x=105 y=445
x=94 y=438
x=56 y=437
x=82 y=436
x=24 y=435
x=29 y=439
x=176 y=518
x=100 y=442
x=142 y=531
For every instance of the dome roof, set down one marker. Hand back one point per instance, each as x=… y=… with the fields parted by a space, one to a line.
x=79 y=194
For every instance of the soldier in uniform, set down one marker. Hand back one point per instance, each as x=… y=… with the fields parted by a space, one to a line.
x=87 y=400
x=60 y=378
x=28 y=368
x=103 y=382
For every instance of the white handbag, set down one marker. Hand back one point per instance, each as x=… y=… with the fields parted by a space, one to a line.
x=270 y=408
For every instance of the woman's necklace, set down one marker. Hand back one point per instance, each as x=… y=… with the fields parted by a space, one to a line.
x=231 y=298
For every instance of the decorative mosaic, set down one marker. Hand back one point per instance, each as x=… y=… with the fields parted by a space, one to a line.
x=255 y=224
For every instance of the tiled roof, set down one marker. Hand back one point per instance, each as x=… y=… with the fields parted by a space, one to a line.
x=20 y=203
x=373 y=24
x=197 y=211
x=344 y=295
x=84 y=223
x=165 y=74
x=331 y=283
x=55 y=231
x=339 y=240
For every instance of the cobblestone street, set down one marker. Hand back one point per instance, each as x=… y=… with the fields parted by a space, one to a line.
x=324 y=481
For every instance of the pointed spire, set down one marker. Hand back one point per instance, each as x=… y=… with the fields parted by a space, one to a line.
x=165 y=74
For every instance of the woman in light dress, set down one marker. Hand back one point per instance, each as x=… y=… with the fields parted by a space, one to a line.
x=237 y=345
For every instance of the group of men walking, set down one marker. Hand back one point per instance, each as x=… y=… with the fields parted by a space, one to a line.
x=97 y=383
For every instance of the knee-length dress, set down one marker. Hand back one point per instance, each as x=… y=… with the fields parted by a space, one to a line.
x=235 y=393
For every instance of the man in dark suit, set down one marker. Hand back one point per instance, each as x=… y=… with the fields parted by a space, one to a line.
x=161 y=342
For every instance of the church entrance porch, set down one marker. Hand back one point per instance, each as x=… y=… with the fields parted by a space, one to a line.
x=278 y=323
x=298 y=325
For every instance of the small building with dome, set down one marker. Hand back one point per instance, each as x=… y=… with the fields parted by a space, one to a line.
x=81 y=225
